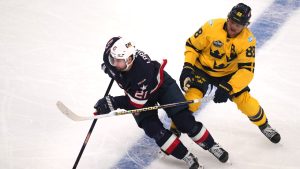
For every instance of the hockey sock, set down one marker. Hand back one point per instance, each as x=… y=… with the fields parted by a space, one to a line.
x=259 y=118
x=201 y=136
x=170 y=144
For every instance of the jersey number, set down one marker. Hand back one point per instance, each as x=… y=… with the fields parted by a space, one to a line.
x=250 y=52
x=199 y=32
x=141 y=94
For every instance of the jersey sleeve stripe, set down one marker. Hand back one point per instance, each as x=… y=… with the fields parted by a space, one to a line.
x=160 y=76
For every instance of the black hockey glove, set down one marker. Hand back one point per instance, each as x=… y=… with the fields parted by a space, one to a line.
x=106 y=70
x=222 y=92
x=105 y=105
x=199 y=81
x=186 y=75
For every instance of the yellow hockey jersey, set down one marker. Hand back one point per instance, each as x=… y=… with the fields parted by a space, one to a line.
x=210 y=50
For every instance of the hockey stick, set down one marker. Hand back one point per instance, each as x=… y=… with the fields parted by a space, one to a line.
x=73 y=116
x=91 y=129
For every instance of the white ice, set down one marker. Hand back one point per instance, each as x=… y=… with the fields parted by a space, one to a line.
x=51 y=50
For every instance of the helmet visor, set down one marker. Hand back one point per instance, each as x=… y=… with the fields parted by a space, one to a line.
x=117 y=62
x=111 y=60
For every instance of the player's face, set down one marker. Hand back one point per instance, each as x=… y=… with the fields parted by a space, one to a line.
x=119 y=64
x=233 y=29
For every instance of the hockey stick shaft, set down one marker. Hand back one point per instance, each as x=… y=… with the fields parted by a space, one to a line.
x=122 y=112
x=161 y=106
x=90 y=130
x=73 y=116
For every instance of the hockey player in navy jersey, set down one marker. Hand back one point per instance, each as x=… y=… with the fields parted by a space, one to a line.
x=145 y=84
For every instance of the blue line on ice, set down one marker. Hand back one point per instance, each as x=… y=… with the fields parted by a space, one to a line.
x=271 y=19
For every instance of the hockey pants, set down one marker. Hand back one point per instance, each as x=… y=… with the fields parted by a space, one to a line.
x=245 y=103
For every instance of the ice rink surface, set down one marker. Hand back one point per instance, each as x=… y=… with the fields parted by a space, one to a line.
x=52 y=50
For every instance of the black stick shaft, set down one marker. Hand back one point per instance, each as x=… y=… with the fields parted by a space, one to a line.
x=91 y=129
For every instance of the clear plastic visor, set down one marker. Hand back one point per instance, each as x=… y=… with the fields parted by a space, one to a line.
x=114 y=61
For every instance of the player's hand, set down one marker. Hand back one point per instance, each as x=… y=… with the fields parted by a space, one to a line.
x=222 y=92
x=105 y=105
x=106 y=70
x=186 y=76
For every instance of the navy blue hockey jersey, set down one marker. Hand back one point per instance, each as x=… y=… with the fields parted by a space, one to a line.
x=140 y=83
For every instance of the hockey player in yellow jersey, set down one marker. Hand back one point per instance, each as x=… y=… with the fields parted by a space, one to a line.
x=222 y=53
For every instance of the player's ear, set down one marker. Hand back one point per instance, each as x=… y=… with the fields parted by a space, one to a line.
x=130 y=59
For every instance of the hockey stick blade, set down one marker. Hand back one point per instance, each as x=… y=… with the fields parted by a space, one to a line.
x=71 y=115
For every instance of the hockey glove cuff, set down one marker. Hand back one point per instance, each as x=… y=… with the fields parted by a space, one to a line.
x=106 y=70
x=186 y=75
x=105 y=105
x=199 y=82
x=222 y=92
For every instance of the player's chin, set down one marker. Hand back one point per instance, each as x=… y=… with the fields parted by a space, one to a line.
x=120 y=69
x=232 y=33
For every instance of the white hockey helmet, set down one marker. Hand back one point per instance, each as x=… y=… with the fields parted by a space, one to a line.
x=122 y=49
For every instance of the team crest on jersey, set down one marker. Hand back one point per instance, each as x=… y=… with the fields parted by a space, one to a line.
x=218 y=43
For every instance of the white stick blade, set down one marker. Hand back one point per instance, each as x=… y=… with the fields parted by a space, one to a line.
x=66 y=111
